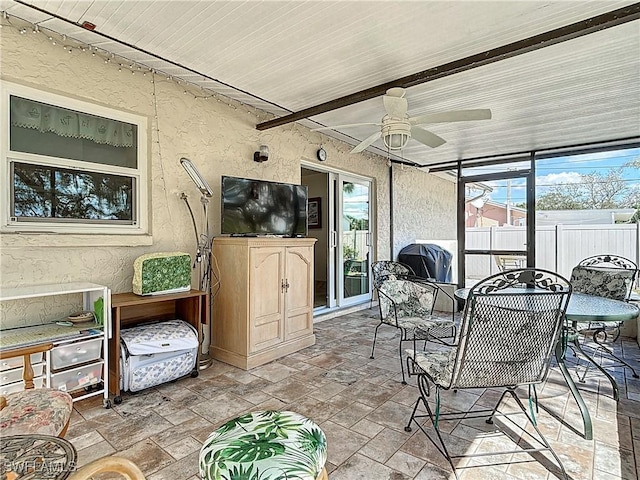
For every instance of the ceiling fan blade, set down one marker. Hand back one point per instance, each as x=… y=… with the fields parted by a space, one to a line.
x=424 y=136
x=396 y=107
x=452 y=116
x=366 y=142
x=333 y=127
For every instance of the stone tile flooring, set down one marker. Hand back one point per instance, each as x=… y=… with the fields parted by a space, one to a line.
x=362 y=407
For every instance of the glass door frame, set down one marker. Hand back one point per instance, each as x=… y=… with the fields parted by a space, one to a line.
x=529 y=175
x=340 y=180
x=335 y=281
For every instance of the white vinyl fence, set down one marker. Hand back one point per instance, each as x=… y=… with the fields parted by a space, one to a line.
x=558 y=248
x=356 y=241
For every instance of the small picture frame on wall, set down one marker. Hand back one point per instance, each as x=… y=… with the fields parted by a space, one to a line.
x=315 y=213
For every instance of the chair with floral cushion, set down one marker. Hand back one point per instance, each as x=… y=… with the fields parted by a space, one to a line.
x=406 y=305
x=509 y=329
x=610 y=276
x=384 y=269
x=40 y=411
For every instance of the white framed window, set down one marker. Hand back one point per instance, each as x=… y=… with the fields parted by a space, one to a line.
x=70 y=166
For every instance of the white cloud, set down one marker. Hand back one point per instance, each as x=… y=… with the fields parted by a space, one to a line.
x=558 y=178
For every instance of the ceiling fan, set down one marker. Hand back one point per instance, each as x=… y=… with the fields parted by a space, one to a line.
x=397 y=128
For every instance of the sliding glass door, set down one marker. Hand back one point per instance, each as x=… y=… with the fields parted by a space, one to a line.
x=353 y=232
x=343 y=251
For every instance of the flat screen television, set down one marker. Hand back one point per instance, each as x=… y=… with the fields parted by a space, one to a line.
x=259 y=207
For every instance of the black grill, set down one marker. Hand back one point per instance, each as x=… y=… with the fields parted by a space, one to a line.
x=427 y=260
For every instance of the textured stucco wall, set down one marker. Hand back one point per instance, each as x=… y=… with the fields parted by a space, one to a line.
x=218 y=135
x=424 y=207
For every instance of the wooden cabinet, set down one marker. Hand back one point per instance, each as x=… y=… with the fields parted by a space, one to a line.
x=264 y=309
x=129 y=310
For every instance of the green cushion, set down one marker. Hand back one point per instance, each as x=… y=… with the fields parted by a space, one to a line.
x=269 y=445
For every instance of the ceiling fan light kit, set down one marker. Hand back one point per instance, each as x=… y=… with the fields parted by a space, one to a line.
x=396 y=133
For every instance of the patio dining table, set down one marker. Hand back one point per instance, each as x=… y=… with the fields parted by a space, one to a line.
x=584 y=308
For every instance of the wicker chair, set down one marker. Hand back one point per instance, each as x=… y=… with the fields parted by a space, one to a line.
x=407 y=305
x=117 y=467
x=610 y=276
x=509 y=329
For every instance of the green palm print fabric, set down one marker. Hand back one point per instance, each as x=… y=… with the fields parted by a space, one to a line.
x=264 y=445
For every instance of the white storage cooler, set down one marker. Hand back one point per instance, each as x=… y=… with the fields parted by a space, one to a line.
x=157 y=353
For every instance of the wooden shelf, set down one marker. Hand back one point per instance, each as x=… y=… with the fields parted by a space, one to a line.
x=129 y=309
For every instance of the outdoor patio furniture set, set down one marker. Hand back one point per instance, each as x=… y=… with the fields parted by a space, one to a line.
x=512 y=324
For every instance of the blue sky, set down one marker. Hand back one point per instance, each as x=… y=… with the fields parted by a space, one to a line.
x=566 y=170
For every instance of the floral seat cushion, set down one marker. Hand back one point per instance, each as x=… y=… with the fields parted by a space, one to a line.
x=437 y=365
x=423 y=323
x=613 y=283
x=408 y=305
x=40 y=411
x=266 y=445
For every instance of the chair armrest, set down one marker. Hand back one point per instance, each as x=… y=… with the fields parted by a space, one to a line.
x=420 y=334
x=3 y=402
x=392 y=302
x=25 y=353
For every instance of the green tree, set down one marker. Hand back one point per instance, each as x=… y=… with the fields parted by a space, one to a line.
x=357 y=223
x=557 y=199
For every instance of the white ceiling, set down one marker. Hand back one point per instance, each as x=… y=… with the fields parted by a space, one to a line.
x=284 y=56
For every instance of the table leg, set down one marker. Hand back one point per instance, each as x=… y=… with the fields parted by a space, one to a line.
x=609 y=352
x=614 y=384
x=586 y=418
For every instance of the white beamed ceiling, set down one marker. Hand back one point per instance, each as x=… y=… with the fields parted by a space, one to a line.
x=283 y=56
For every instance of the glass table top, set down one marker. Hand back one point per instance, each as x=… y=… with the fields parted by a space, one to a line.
x=586 y=308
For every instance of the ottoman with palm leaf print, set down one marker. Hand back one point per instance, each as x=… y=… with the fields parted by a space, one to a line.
x=265 y=445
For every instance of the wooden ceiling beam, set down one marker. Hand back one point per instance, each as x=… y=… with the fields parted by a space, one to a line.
x=552 y=37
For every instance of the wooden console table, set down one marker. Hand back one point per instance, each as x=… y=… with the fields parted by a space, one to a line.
x=129 y=309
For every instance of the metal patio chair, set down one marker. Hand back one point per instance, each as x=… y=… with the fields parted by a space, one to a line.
x=384 y=269
x=407 y=305
x=509 y=329
x=510 y=262
x=610 y=276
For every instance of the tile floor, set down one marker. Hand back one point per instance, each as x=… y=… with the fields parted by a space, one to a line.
x=362 y=408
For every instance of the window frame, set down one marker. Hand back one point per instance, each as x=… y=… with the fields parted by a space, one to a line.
x=140 y=225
